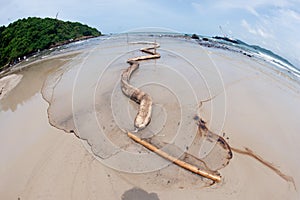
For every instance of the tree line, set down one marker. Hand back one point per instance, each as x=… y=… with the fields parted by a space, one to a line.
x=29 y=35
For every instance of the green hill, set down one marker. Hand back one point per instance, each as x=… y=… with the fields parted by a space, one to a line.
x=26 y=36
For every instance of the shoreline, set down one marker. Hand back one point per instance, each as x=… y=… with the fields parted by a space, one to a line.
x=6 y=68
x=286 y=69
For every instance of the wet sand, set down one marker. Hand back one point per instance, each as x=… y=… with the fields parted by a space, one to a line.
x=8 y=83
x=242 y=98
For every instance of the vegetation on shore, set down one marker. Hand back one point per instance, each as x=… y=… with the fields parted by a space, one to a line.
x=27 y=36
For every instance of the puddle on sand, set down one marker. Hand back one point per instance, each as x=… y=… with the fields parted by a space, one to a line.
x=33 y=78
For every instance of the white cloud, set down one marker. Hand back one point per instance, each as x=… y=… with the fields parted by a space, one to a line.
x=248 y=27
x=198 y=7
x=290 y=14
x=277 y=30
x=259 y=30
x=273 y=24
x=250 y=6
x=252 y=11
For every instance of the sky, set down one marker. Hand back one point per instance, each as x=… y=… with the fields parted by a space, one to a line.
x=272 y=24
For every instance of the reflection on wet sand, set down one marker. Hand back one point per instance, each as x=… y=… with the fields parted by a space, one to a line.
x=33 y=78
x=8 y=83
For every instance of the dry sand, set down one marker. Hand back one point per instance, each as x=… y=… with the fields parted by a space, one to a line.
x=252 y=103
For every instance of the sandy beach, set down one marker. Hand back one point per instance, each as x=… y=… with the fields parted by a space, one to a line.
x=62 y=125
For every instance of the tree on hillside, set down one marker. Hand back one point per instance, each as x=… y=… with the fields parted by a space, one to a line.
x=26 y=36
